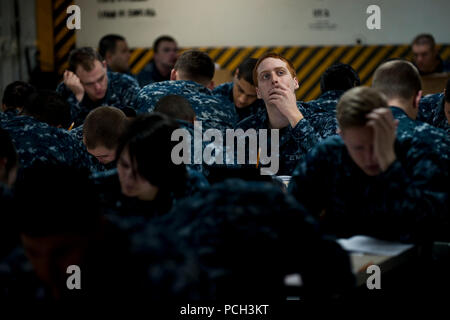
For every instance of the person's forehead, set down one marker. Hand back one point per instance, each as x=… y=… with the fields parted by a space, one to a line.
x=166 y=43
x=421 y=47
x=93 y=74
x=245 y=85
x=121 y=44
x=270 y=64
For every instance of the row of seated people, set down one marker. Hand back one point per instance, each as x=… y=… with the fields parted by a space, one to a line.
x=365 y=166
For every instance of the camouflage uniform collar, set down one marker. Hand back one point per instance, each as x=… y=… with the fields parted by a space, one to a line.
x=399 y=113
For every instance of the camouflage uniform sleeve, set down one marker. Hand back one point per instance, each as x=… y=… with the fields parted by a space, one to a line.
x=304 y=135
x=144 y=101
x=312 y=179
x=415 y=199
x=75 y=105
x=129 y=91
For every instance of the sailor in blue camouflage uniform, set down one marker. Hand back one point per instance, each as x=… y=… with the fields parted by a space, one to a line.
x=149 y=188
x=366 y=181
x=37 y=142
x=400 y=82
x=276 y=83
x=165 y=53
x=435 y=109
x=191 y=78
x=87 y=85
x=321 y=112
x=241 y=92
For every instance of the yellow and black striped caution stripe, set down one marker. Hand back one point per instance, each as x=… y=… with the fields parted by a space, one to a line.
x=309 y=61
x=55 y=40
x=64 y=37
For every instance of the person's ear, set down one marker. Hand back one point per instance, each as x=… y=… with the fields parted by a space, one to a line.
x=104 y=63
x=3 y=107
x=417 y=99
x=296 y=83
x=340 y=133
x=173 y=74
x=107 y=57
x=210 y=85
x=236 y=73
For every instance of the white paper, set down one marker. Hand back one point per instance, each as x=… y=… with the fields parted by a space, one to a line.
x=369 y=245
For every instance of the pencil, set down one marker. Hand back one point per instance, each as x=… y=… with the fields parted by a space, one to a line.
x=71 y=126
x=257 y=159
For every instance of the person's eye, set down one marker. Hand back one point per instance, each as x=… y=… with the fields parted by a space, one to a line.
x=265 y=76
x=281 y=72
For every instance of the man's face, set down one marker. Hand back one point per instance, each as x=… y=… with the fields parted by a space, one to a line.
x=166 y=54
x=359 y=142
x=273 y=73
x=424 y=57
x=119 y=59
x=95 y=82
x=244 y=94
x=103 y=154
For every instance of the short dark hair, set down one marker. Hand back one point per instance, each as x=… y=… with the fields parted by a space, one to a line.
x=48 y=201
x=161 y=39
x=49 y=107
x=7 y=150
x=339 y=76
x=85 y=56
x=176 y=107
x=424 y=39
x=16 y=94
x=103 y=126
x=246 y=70
x=149 y=132
x=108 y=43
x=196 y=66
x=397 y=79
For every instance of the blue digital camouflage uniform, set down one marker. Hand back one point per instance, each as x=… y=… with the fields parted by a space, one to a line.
x=150 y=74
x=213 y=111
x=77 y=133
x=321 y=113
x=432 y=111
x=225 y=91
x=293 y=142
x=408 y=202
x=237 y=226
x=132 y=214
x=122 y=92
x=421 y=135
x=36 y=141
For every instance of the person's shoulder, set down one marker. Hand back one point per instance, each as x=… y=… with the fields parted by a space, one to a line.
x=223 y=89
x=431 y=98
x=253 y=121
x=428 y=131
x=117 y=78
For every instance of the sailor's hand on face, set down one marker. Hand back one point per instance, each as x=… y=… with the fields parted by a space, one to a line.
x=284 y=99
x=72 y=82
x=384 y=127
